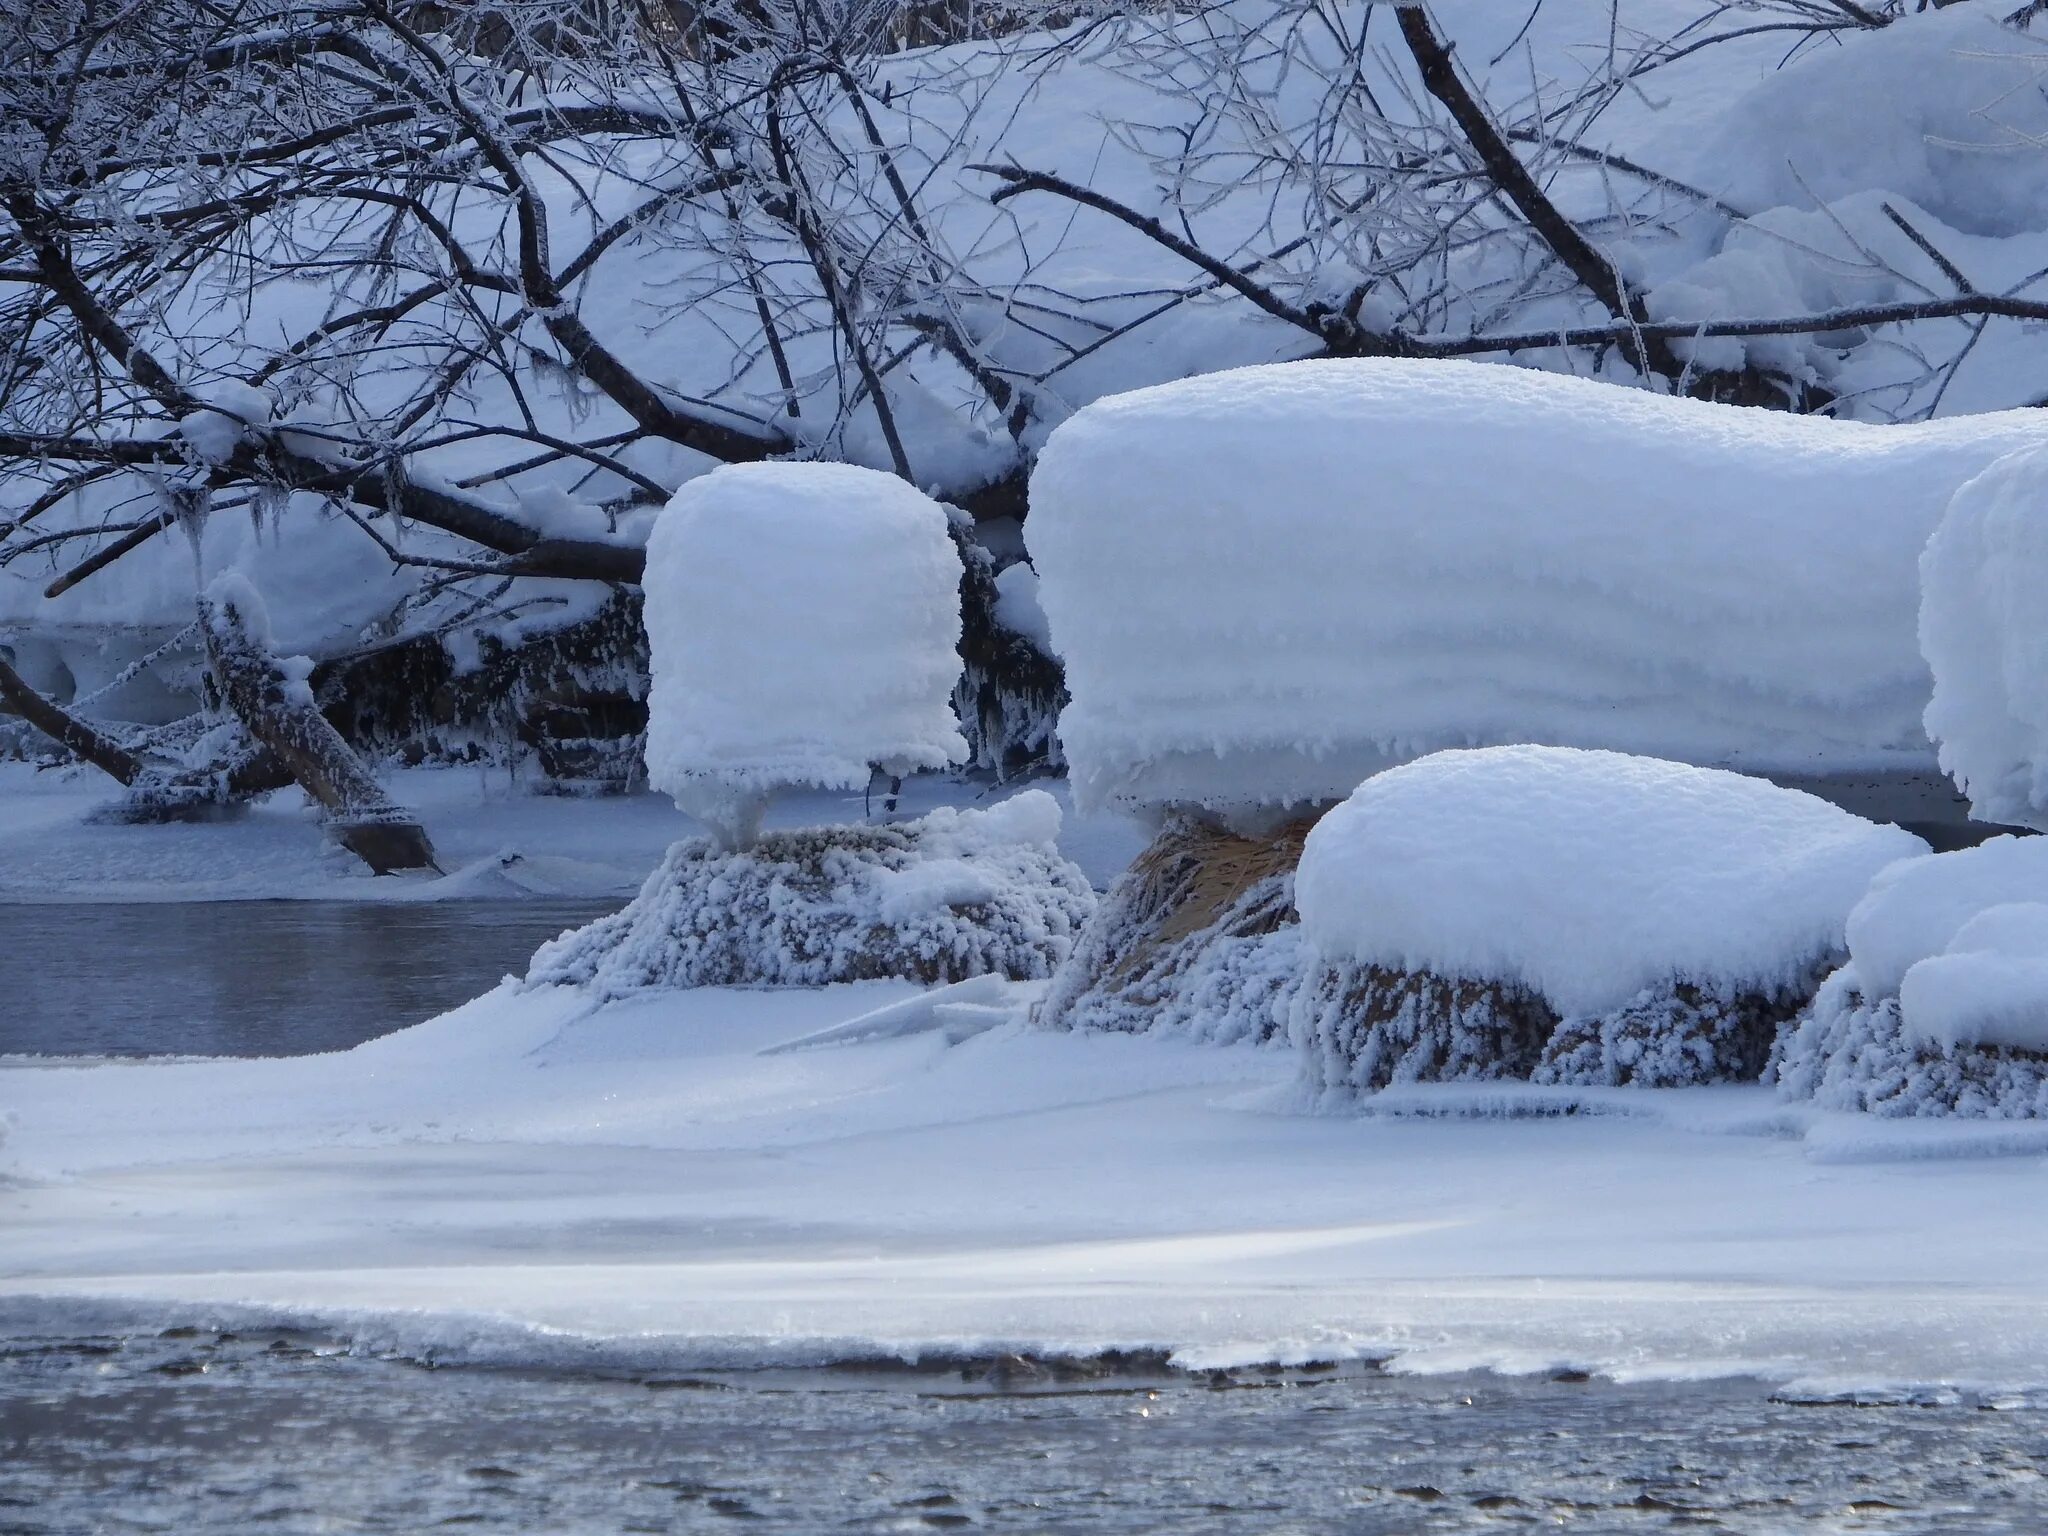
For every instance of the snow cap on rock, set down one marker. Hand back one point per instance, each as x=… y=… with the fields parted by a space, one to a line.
x=803 y=622
x=1586 y=876
x=1913 y=910
x=1270 y=582
x=1984 y=630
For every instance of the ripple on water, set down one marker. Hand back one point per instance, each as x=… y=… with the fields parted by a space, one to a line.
x=196 y=1431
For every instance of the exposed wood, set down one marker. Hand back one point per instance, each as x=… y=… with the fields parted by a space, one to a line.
x=277 y=710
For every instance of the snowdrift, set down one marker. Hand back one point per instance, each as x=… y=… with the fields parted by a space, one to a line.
x=1269 y=583
x=1575 y=916
x=804 y=623
x=954 y=894
x=1943 y=1006
x=1984 y=629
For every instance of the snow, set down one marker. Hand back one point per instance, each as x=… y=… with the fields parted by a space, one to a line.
x=534 y=1180
x=1915 y=909
x=1942 y=1009
x=804 y=623
x=217 y=429
x=1988 y=987
x=1270 y=582
x=1984 y=629
x=498 y=839
x=1586 y=877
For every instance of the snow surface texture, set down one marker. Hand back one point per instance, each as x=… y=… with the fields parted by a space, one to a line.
x=1943 y=1006
x=804 y=623
x=529 y=1180
x=1198 y=938
x=958 y=893
x=1575 y=916
x=1268 y=583
x=1984 y=629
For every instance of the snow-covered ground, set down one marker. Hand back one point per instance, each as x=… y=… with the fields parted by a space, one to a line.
x=528 y=1179
x=51 y=849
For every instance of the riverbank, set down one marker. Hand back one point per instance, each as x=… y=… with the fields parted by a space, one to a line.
x=532 y=1180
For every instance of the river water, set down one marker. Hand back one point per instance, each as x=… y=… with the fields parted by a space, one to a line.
x=254 y=978
x=195 y=1431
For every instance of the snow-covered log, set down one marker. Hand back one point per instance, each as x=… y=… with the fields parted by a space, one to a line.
x=1198 y=938
x=270 y=696
x=957 y=893
x=1575 y=916
x=1943 y=1006
x=803 y=622
x=1984 y=629
x=1268 y=583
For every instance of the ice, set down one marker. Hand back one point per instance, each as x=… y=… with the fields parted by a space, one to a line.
x=1270 y=582
x=1586 y=876
x=803 y=622
x=951 y=895
x=1984 y=629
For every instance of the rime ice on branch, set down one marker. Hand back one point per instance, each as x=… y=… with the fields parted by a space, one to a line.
x=804 y=624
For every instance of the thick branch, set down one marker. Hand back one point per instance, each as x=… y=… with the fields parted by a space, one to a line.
x=1587 y=264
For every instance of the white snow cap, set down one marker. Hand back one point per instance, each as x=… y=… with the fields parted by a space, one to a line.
x=1912 y=911
x=232 y=408
x=1270 y=582
x=1586 y=876
x=1989 y=987
x=1984 y=629
x=803 y=622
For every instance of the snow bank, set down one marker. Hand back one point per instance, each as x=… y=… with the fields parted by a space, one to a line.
x=1984 y=629
x=1943 y=1007
x=1271 y=582
x=1586 y=877
x=956 y=893
x=803 y=622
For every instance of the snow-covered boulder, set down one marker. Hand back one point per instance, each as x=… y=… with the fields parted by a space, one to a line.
x=1943 y=1006
x=1198 y=939
x=803 y=622
x=954 y=894
x=1575 y=916
x=1272 y=582
x=1984 y=629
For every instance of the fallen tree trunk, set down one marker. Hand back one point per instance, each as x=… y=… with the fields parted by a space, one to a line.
x=272 y=700
x=160 y=792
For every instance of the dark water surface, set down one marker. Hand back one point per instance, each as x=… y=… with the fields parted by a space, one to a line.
x=193 y=1432
x=254 y=978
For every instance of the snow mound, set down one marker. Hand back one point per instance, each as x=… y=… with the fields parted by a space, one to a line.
x=1197 y=939
x=804 y=623
x=954 y=894
x=1271 y=582
x=1984 y=629
x=1914 y=909
x=1584 y=876
x=1943 y=1007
